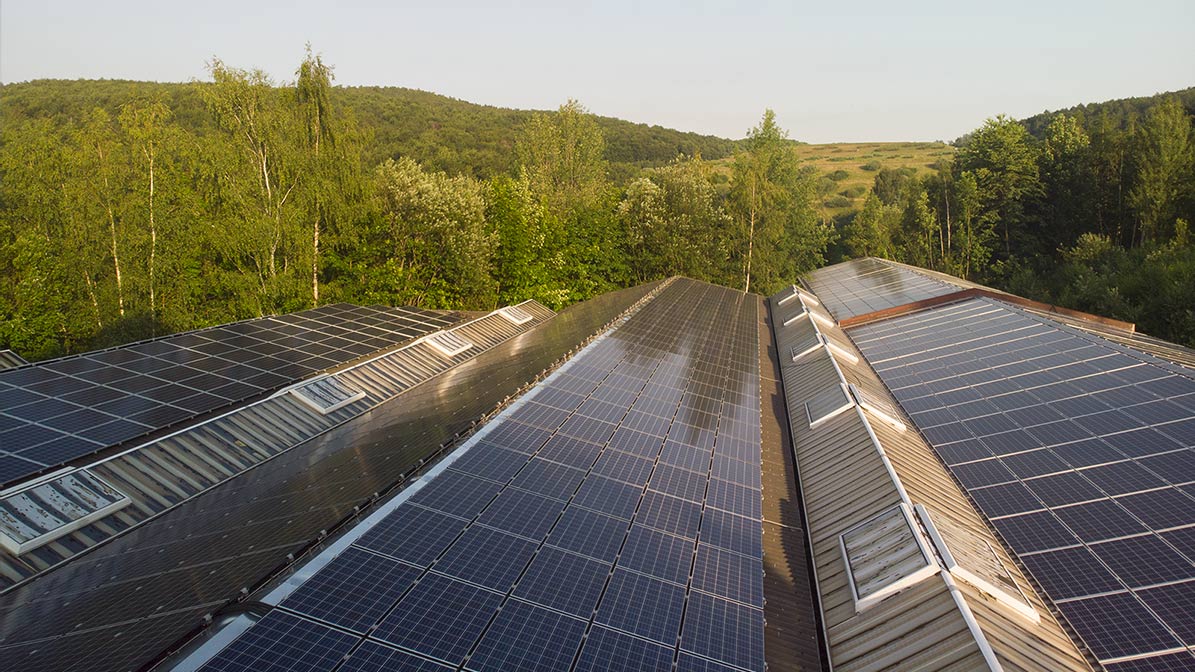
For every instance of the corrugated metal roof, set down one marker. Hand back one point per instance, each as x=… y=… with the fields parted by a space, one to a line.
x=854 y=468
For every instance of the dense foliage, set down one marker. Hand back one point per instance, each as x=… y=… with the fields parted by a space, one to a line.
x=1093 y=215
x=131 y=210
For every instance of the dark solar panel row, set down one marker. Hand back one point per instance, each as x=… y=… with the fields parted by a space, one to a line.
x=1080 y=452
x=56 y=411
x=566 y=538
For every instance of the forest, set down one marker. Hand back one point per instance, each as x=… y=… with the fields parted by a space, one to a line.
x=133 y=210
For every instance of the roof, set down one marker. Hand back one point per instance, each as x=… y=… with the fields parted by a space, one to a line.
x=881 y=468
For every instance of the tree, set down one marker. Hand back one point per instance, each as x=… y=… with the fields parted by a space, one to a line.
x=430 y=245
x=1065 y=167
x=1004 y=164
x=772 y=199
x=563 y=156
x=866 y=234
x=674 y=224
x=1164 y=156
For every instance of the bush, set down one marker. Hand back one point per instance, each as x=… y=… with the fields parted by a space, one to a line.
x=839 y=175
x=871 y=165
x=838 y=202
x=855 y=191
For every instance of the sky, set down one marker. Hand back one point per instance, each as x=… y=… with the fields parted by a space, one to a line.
x=832 y=71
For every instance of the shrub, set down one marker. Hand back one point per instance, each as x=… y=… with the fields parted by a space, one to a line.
x=839 y=175
x=838 y=202
x=871 y=165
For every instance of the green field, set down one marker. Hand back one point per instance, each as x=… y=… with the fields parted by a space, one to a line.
x=848 y=169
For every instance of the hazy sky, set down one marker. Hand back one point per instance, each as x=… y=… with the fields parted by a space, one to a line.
x=891 y=70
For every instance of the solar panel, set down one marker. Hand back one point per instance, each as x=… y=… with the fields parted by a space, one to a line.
x=642 y=606
x=724 y=631
x=440 y=617
x=669 y=514
x=589 y=533
x=487 y=558
x=354 y=590
x=527 y=637
x=729 y=575
x=1064 y=441
x=657 y=554
x=564 y=581
x=281 y=642
x=522 y=513
x=609 y=650
x=374 y=657
x=69 y=408
x=415 y=535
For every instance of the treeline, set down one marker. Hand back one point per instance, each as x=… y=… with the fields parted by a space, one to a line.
x=440 y=133
x=1095 y=215
x=151 y=214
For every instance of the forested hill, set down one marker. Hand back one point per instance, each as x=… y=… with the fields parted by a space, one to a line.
x=1118 y=112
x=439 y=132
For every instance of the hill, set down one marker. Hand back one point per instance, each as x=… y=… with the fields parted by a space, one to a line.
x=1120 y=112
x=439 y=132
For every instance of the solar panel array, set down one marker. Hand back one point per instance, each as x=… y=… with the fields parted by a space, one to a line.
x=866 y=285
x=1078 y=450
x=57 y=411
x=610 y=522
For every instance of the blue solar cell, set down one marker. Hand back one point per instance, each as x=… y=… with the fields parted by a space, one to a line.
x=733 y=533
x=522 y=513
x=374 y=657
x=440 y=617
x=724 y=631
x=624 y=467
x=1161 y=509
x=570 y=451
x=679 y=482
x=608 y=650
x=1099 y=520
x=1034 y=532
x=549 y=479
x=589 y=533
x=734 y=498
x=457 y=493
x=670 y=514
x=280 y=642
x=1175 y=603
x=1117 y=625
x=686 y=456
x=642 y=606
x=487 y=557
x=1173 y=662
x=527 y=637
x=589 y=429
x=743 y=473
x=729 y=575
x=1071 y=572
x=563 y=581
x=637 y=443
x=657 y=554
x=354 y=590
x=608 y=496
x=1144 y=560
x=518 y=437
x=413 y=533
x=691 y=663
x=490 y=462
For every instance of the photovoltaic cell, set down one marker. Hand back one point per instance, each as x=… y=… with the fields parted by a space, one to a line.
x=413 y=534
x=354 y=590
x=657 y=554
x=729 y=575
x=374 y=657
x=527 y=637
x=487 y=557
x=522 y=513
x=564 y=581
x=589 y=533
x=440 y=617
x=642 y=606
x=281 y=642
x=725 y=631
x=608 y=650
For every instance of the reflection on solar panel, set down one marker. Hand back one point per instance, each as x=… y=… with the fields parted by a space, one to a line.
x=1078 y=450
x=866 y=285
x=578 y=546
x=56 y=411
